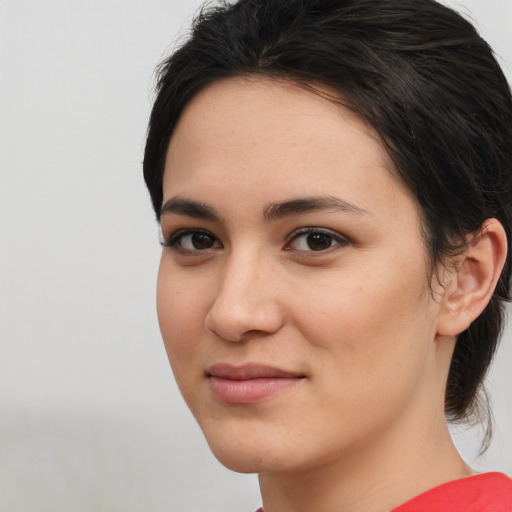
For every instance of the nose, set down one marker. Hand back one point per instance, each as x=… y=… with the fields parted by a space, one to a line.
x=247 y=300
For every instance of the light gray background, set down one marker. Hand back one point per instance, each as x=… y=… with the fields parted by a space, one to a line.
x=90 y=418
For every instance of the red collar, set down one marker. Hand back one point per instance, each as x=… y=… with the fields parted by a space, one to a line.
x=487 y=492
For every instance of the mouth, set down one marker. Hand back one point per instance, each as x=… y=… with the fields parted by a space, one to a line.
x=248 y=384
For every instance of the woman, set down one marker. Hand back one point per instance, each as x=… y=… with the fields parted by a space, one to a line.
x=333 y=181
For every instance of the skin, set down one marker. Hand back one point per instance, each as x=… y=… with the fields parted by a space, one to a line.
x=363 y=428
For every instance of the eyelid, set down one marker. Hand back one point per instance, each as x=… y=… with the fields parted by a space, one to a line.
x=172 y=241
x=340 y=240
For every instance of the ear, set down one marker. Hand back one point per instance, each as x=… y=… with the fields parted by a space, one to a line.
x=470 y=285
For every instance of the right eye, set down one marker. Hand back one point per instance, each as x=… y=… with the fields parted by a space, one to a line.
x=192 y=240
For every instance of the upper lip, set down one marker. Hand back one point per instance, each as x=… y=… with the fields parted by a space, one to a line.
x=248 y=371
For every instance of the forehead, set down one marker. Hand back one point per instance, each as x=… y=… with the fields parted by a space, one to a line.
x=253 y=134
x=272 y=103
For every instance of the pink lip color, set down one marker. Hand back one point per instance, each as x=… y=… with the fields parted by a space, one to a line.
x=247 y=384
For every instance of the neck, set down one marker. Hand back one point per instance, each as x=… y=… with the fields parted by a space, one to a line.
x=375 y=478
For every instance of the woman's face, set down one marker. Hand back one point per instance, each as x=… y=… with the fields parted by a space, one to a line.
x=293 y=292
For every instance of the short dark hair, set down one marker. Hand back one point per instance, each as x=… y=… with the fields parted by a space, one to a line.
x=419 y=74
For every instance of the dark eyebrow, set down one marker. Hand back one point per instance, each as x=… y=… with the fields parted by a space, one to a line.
x=298 y=206
x=190 y=208
x=272 y=212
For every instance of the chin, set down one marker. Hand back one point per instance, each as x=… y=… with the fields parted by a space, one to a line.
x=245 y=453
x=241 y=460
x=241 y=464
x=264 y=454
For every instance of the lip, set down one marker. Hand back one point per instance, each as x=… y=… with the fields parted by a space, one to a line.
x=249 y=383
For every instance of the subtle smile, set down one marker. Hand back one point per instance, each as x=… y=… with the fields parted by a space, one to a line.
x=249 y=383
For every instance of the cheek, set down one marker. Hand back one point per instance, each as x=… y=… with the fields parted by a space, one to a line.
x=371 y=348
x=180 y=316
x=370 y=322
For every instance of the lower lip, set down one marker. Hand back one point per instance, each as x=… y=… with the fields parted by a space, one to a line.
x=248 y=391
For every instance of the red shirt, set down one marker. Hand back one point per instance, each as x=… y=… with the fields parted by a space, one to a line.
x=487 y=492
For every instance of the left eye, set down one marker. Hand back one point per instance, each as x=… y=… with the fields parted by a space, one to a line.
x=193 y=240
x=315 y=240
x=198 y=241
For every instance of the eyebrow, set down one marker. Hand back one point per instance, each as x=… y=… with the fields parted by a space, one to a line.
x=276 y=211
x=272 y=212
x=189 y=208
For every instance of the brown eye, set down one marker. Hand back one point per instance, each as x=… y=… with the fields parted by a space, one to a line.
x=193 y=240
x=319 y=241
x=201 y=241
x=316 y=240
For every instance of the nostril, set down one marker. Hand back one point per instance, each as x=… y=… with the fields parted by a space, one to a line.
x=243 y=320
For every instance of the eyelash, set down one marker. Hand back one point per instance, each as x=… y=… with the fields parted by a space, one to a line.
x=175 y=241
x=336 y=239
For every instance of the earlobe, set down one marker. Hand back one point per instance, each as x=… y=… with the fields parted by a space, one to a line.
x=472 y=281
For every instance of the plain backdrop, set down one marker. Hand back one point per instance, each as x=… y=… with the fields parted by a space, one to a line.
x=90 y=417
